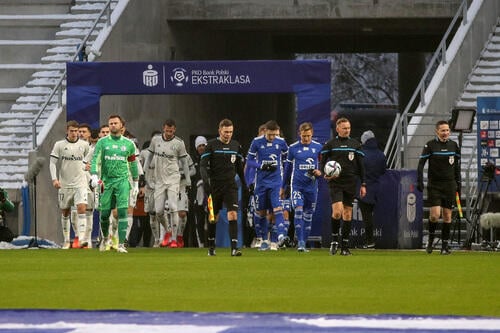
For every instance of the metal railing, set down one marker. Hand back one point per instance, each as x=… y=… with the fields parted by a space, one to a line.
x=59 y=88
x=398 y=138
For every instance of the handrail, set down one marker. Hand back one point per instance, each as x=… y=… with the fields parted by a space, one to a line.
x=58 y=88
x=394 y=158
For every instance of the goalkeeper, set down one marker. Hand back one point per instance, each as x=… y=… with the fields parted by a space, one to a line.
x=113 y=156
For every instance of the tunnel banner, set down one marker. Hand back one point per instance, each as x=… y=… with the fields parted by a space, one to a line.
x=309 y=80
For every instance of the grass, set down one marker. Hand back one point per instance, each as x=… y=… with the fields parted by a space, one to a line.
x=369 y=282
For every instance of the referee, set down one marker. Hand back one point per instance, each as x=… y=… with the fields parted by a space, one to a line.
x=219 y=164
x=443 y=181
x=346 y=151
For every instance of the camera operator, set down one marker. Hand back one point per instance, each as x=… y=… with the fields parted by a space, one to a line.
x=5 y=206
x=444 y=181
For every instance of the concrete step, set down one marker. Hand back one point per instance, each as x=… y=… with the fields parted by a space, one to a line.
x=76 y=33
x=35 y=6
x=44 y=82
x=90 y=7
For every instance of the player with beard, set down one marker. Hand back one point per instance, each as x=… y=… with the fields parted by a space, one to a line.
x=167 y=156
x=114 y=156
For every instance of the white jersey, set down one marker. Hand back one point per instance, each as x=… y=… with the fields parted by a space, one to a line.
x=71 y=157
x=192 y=170
x=166 y=155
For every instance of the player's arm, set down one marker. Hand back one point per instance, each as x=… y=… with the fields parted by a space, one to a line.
x=426 y=152
x=53 y=171
x=204 y=165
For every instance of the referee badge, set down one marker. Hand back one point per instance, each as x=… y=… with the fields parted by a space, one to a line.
x=451 y=160
x=233 y=158
x=350 y=156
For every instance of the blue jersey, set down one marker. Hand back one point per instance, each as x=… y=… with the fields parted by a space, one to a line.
x=301 y=158
x=263 y=152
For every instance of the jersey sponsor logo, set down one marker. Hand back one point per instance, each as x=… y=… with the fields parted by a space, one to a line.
x=115 y=158
x=72 y=158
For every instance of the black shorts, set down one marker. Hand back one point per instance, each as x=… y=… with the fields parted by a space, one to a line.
x=442 y=194
x=339 y=193
x=225 y=195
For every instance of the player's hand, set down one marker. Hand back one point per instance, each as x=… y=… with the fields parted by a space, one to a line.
x=135 y=188
x=94 y=181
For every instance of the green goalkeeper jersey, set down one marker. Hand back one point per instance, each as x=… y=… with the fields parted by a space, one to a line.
x=112 y=156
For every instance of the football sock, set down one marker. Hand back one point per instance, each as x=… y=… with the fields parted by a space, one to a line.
x=174 y=217
x=65 y=227
x=307 y=224
x=233 y=234
x=335 y=229
x=299 y=224
x=279 y=222
x=130 y=221
x=89 y=215
x=346 y=230
x=211 y=234
x=257 y=225
x=432 y=230
x=82 y=227
x=274 y=233
x=445 y=232
x=155 y=232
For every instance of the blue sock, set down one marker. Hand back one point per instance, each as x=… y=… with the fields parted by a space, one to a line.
x=257 y=224
x=307 y=224
x=299 y=225
x=279 y=222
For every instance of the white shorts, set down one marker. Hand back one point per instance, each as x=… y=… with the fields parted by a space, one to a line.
x=72 y=196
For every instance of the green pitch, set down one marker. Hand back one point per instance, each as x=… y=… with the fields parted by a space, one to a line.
x=369 y=282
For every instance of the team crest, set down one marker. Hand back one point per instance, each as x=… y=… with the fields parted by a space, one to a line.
x=233 y=158
x=350 y=156
x=451 y=160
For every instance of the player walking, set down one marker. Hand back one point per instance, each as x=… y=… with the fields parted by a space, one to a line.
x=113 y=156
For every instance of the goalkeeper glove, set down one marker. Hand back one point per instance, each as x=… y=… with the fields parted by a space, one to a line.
x=94 y=181
x=135 y=188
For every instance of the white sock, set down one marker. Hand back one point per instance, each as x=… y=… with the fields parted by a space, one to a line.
x=65 y=227
x=89 y=215
x=74 y=221
x=130 y=220
x=82 y=227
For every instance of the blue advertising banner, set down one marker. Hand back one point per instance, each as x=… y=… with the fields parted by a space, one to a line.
x=398 y=213
x=488 y=138
x=309 y=80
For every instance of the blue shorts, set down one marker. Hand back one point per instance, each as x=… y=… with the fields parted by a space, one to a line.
x=305 y=198
x=267 y=197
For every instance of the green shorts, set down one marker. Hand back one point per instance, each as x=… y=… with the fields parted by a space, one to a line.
x=115 y=195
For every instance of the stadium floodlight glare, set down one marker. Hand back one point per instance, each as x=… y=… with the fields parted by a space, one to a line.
x=462 y=119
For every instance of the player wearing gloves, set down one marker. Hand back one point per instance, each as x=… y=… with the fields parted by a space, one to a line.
x=266 y=154
x=301 y=172
x=113 y=156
